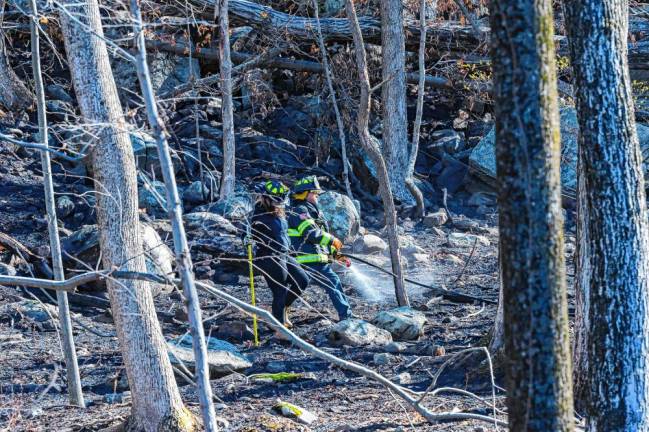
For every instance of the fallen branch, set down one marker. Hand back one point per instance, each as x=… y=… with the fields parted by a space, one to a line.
x=244 y=12
x=276 y=62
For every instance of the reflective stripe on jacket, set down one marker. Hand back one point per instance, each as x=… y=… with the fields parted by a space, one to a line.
x=308 y=233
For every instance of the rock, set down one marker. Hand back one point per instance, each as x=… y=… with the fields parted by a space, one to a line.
x=209 y=222
x=420 y=259
x=396 y=347
x=383 y=359
x=160 y=258
x=437 y=232
x=466 y=225
x=57 y=92
x=7 y=270
x=483 y=158
x=64 y=206
x=278 y=155
x=481 y=199
x=452 y=176
x=223 y=358
x=294 y=411
x=369 y=243
x=216 y=235
x=196 y=193
x=461 y=121
x=452 y=259
x=152 y=198
x=448 y=139
x=458 y=240
x=235 y=207
x=439 y=218
x=117 y=398
x=29 y=314
x=403 y=378
x=83 y=245
x=403 y=323
x=341 y=215
x=356 y=332
x=235 y=330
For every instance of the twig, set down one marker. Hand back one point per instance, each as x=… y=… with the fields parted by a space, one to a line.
x=466 y=264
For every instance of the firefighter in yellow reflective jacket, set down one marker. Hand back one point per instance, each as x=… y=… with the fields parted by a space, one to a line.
x=312 y=243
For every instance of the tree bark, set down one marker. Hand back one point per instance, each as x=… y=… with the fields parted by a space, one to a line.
x=538 y=372
x=14 y=95
x=372 y=148
x=393 y=97
x=228 y=177
x=414 y=147
x=75 y=394
x=614 y=224
x=174 y=210
x=157 y=405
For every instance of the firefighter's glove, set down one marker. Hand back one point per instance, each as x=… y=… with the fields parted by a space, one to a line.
x=337 y=244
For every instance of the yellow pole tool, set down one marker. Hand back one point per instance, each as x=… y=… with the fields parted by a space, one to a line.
x=252 y=294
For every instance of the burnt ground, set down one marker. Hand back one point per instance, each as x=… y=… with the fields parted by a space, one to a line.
x=32 y=387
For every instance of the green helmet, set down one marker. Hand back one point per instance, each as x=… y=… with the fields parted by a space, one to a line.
x=273 y=189
x=307 y=184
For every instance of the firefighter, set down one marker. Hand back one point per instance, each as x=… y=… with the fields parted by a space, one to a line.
x=314 y=247
x=284 y=276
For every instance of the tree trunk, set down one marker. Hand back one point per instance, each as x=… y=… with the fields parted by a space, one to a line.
x=75 y=394
x=174 y=210
x=13 y=93
x=412 y=159
x=228 y=177
x=615 y=282
x=538 y=372
x=372 y=148
x=393 y=95
x=157 y=405
x=582 y=274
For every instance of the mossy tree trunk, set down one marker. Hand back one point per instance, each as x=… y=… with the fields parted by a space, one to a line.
x=538 y=370
x=614 y=244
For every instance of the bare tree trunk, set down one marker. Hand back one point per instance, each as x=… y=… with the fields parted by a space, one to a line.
x=14 y=95
x=615 y=284
x=75 y=393
x=582 y=276
x=538 y=372
x=334 y=102
x=174 y=209
x=497 y=342
x=393 y=96
x=372 y=148
x=228 y=177
x=157 y=405
x=410 y=181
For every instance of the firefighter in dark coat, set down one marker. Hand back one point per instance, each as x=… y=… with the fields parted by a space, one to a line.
x=314 y=247
x=284 y=276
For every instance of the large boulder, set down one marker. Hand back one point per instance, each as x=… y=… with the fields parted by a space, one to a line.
x=369 y=243
x=356 y=332
x=483 y=157
x=340 y=213
x=214 y=234
x=236 y=207
x=83 y=246
x=403 y=323
x=279 y=155
x=223 y=358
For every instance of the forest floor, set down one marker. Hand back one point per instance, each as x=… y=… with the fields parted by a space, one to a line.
x=32 y=389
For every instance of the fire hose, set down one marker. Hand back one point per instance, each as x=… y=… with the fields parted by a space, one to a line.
x=453 y=296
